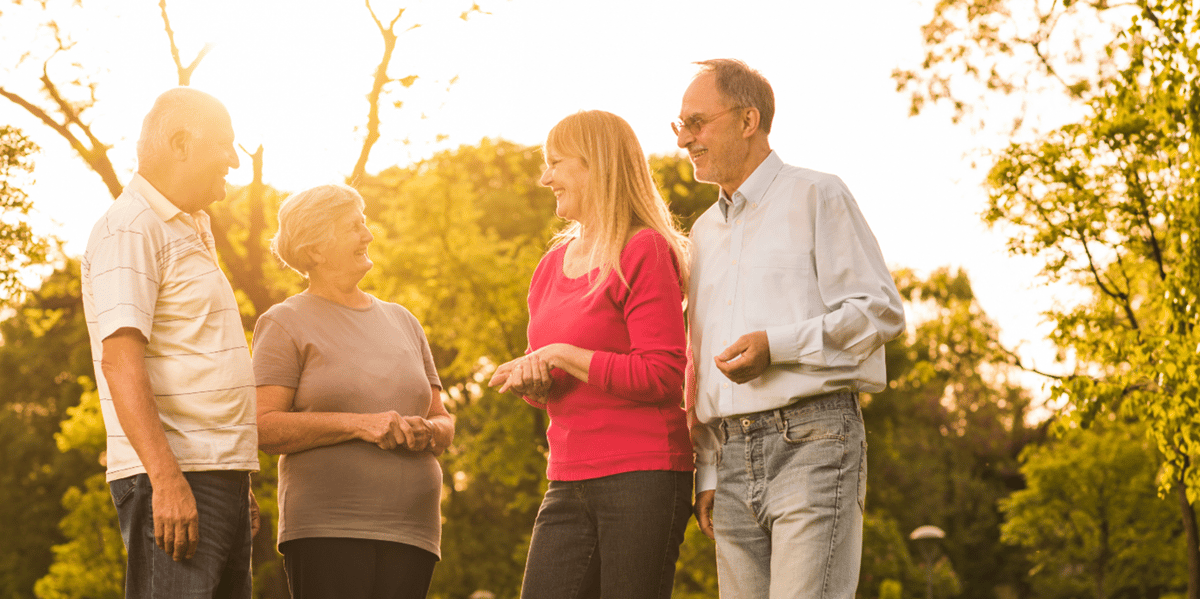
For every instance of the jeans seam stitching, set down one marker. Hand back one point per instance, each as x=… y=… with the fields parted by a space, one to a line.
x=837 y=512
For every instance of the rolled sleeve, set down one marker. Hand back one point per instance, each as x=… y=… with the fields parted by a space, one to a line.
x=862 y=307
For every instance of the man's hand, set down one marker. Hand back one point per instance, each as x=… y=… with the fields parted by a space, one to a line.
x=704 y=509
x=746 y=359
x=176 y=520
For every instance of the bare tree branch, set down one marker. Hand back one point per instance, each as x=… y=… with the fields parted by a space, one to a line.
x=96 y=156
x=381 y=80
x=185 y=73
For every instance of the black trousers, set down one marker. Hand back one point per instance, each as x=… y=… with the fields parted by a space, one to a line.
x=340 y=568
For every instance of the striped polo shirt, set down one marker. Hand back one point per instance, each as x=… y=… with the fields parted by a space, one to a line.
x=150 y=266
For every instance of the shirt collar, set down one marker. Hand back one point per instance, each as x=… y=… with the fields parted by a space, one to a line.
x=754 y=188
x=157 y=201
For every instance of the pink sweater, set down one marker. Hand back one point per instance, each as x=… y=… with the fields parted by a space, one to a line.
x=628 y=417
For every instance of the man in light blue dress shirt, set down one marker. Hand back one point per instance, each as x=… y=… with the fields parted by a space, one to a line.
x=791 y=303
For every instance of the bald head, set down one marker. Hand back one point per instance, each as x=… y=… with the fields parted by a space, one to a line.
x=186 y=148
x=182 y=109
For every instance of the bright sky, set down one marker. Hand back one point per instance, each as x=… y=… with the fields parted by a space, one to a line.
x=294 y=75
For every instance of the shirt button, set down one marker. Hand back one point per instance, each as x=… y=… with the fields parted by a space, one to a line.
x=724 y=385
x=729 y=302
x=733 y=262
x=754 y=205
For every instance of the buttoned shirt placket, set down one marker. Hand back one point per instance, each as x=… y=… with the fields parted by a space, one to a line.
x=732 y=209
x=199 y=222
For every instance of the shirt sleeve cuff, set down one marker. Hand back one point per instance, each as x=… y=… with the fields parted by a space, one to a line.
x=706 y=476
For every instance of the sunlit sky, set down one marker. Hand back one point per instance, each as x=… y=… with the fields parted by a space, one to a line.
x=295 y=74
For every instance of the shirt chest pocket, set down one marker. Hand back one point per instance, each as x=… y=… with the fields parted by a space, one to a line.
x=779 y=290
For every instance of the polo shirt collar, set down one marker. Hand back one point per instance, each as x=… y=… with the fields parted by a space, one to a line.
x=157 y=201
x=754 y=188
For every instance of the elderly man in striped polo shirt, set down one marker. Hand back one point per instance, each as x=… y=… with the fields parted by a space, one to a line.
x=172 y=366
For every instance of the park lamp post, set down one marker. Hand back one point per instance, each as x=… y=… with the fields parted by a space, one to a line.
x=926 y=539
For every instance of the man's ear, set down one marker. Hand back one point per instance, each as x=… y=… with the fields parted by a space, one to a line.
x=750 y=120
x=180 y=143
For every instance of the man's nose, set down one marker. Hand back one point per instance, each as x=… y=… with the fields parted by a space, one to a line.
x=684 y=137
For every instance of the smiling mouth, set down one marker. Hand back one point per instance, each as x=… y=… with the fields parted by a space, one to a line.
x=698 y=153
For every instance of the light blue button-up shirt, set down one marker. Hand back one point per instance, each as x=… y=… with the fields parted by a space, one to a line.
x=790 y=254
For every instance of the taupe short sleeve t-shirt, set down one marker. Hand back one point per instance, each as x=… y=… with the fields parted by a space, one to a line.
x=339 y=359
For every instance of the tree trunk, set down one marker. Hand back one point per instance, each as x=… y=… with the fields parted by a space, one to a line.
x=1193 y=540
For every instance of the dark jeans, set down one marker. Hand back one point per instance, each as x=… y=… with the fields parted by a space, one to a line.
x=615 y=537
x=341 y=568
x=221 y=566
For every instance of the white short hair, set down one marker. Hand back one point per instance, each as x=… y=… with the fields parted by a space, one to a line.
x=307 y=221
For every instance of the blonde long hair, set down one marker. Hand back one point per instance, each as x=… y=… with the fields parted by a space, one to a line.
x=620 y=195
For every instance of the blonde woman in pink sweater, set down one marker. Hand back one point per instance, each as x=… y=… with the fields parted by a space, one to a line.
x=606 y=362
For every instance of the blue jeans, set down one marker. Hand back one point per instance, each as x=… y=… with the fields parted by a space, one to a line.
x=221 y=566
x=789 y=504
x=614 y=537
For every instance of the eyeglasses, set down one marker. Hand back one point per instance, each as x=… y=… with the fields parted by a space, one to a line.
x=695 y=123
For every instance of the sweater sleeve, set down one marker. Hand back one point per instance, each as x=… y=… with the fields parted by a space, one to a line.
x=652 y=371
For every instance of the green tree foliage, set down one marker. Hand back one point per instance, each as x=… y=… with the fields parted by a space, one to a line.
x=92 y=562
x=19 y=247
x=687 y=197
x=887 y=564
x=945 y=436
x=1090 y=519
x=1112 y=203
x=45 y=365
x=979 y=51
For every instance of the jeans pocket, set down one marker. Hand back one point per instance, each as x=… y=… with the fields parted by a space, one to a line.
x=816 y=428
x=122 y=489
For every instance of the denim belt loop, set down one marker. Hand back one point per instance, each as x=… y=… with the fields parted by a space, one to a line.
x=780 y=420
x=723 y=431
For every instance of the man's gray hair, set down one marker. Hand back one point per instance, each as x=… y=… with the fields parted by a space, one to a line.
x=178 y=109
x=743 y=87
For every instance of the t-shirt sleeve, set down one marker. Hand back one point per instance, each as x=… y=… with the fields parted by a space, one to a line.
x=426 y=354
x=277 y=359
x=125 y=277
x=652 y=371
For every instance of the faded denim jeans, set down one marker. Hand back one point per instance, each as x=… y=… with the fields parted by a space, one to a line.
x=615 y=537
x=221 y=566
x=788 y=509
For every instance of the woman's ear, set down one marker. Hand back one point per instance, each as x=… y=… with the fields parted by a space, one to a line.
x=314 y=255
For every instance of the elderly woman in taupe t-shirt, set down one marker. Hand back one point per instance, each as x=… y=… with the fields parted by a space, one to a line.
x=349 y=395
